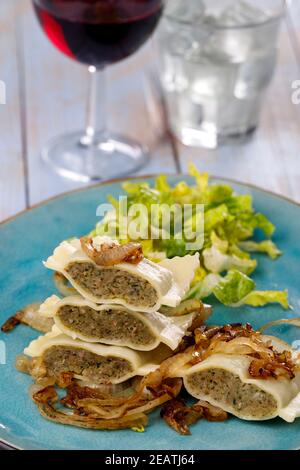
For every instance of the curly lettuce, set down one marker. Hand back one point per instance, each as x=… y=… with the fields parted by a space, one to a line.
x=236 y=289
x=231 y=225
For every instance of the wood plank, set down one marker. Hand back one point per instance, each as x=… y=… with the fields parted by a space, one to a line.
x=271 y=158
x=55 y=102
x=12 y=184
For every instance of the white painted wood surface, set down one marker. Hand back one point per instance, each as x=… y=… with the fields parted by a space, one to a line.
x=46 y=97
x=12 y=177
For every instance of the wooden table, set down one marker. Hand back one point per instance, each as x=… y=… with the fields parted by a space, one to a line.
x=46 y=97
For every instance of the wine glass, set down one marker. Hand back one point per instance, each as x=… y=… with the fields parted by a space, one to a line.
x=96 y=33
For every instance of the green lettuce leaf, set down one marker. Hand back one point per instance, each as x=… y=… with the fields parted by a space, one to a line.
x=218 y=262
x=162 y=185
x=266 y=246
x=215 y=217
x=234 y=287
x=262 y=298
x=218 y=194
x=229 y=227
x=204 y=288
x=218 y=242
x=263 y=223
x=202 y=179
x=240 y=204
x=172 y=247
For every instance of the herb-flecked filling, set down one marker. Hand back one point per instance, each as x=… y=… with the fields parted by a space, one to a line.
x=95 y=368
x=112 y=324
x=108 y=283
x=227 y=388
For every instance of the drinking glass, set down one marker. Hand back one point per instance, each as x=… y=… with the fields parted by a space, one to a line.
x=96 y=33
x=218 y=58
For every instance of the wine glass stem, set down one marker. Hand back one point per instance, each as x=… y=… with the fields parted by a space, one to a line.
x=95 y=121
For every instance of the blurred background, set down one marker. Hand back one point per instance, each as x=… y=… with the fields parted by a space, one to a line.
x=46 y=94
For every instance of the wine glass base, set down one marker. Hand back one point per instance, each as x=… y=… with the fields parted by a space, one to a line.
x=108 y=156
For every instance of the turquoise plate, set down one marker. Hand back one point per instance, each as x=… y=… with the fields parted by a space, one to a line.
x=29 y=238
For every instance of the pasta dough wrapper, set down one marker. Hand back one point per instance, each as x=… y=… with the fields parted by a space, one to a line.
x=142 y=287
x=224 y=381
x=91 y=362
x=113 y=324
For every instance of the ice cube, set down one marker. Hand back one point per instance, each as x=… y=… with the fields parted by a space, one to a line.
x=228 y=45
x=241 y=13
x=235 y=42
x=191 y=11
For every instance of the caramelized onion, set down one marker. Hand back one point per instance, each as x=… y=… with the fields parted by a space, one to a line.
x=49 y=412
x=99 y=410
x=180 y=417
x=97 y=407
x=29 y=316
x=290 y=321
x=278 y=366
x=42 y=394
x=110 y=254
x=238 y=339
x=23 y=364
x=210 y=412
x=186 y=307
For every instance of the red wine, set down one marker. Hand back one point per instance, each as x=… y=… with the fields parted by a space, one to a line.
x=98 y=32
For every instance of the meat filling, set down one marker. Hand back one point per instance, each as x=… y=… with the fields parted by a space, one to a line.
x=113 y=325
x=229 y=390
x=97 y=369
x=111 y=284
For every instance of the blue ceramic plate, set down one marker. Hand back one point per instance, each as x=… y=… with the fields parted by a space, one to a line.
x=29 y=238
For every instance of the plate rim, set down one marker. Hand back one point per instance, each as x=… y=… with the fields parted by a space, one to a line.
x=6 y=445
x=9 y=445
